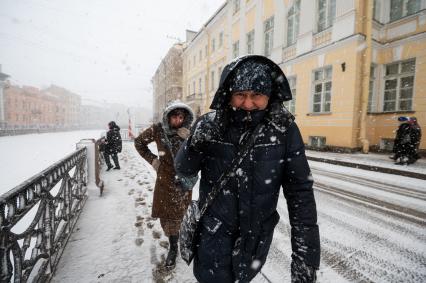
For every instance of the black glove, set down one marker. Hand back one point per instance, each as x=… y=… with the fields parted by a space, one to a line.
x=203 y=132
x=301 y=272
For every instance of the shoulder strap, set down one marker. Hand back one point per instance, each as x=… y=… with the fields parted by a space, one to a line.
x=224 y=178
x=167 y=143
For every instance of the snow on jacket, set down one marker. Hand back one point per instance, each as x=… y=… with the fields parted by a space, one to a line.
x=168 y=202
x=246 y=207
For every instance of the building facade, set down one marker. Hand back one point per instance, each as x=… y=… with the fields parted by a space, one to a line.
x=203 y=60
x=167 y=81
x=30 y=107
x=354 y=66
x=3 y=78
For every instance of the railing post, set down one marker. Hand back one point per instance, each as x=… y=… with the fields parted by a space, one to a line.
x=91 y=164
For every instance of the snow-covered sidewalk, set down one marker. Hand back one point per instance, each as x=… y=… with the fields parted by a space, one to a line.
x=376 y=161
x=115 y=239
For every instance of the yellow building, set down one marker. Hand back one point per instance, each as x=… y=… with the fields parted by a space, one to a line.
x=203 y=60
x=354 y=66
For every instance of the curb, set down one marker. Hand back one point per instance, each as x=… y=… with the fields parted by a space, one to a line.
x=370 y=167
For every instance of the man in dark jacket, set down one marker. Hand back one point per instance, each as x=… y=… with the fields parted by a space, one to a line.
x=237 y=229
x=113 y=145
x=169 y=204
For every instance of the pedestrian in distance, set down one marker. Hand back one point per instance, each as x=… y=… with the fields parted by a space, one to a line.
x=407 y=141
x=112 y=145
x=169 y=203
x=235 y=232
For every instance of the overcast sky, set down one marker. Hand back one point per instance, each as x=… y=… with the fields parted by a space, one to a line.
x=99 y=49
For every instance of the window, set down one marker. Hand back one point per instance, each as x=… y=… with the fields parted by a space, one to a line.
x=236 y=6
x=199 y=86
x=293 y=23
x=219 y=72
x=386 y=144
x=403 y=8
x=235 y=49
x=193 y=61
x=212 y=81
x=291 y=105
x=317 y=142
x=193 y=87
x=220 y=39
x=200 y=55
x=268 y=35
x=326 y=14
x=322 y=90
x=250 y=42
x=213 y=45
x=399 y=83
x=206 y=49
x=371 y=89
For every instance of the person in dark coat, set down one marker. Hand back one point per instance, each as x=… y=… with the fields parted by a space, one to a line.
x=237 y=229
x=169 y=202
x=407 y=141
x=112 y=145
x=415 y=138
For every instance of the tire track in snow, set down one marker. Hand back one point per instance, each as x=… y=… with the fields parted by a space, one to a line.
x=366 y=262
x=402 y=212
x=409 y=192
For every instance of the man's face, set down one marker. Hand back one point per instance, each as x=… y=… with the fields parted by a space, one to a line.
x=249 y=100
x=176 y=120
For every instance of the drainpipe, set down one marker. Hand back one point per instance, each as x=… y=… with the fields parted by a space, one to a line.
x=206 y=103
x=365 y=79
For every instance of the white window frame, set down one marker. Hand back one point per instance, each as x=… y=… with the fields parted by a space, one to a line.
x=235 y=49
x=220 y=39
x=372 y=93
x=399 y=77
x=404 y=11
x=291 y=104
x=268 y=36
x=329 y=11
x=250 y=42
x=212 y=85
x=213 y=44
x=325 y=78
x=293 y=17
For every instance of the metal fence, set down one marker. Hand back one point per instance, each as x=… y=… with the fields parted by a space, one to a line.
x=54 y=199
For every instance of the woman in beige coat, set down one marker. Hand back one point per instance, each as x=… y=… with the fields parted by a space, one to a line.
x=169 y=202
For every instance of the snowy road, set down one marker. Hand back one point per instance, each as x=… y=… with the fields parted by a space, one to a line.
x=372 y=229
x=372 y=226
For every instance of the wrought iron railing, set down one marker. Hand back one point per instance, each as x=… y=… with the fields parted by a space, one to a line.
x=32 y=255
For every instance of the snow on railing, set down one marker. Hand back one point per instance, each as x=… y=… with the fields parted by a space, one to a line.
x=37 y=218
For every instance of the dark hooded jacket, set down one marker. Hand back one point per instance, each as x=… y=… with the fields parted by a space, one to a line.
x=168 y=202
x=245 y=210
x=113 y=139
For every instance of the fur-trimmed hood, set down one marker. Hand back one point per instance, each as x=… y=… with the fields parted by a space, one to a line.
x=189 y=117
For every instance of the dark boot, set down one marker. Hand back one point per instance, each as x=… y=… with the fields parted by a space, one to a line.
x=173 y=249
x=115 y=158
x=107 y=161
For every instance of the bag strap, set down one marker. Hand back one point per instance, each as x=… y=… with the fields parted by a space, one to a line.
x=167 y=142
x=224 y=178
